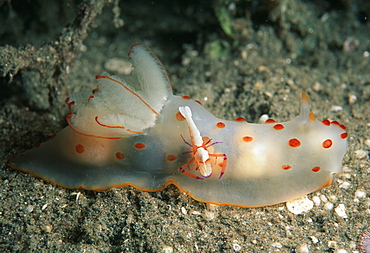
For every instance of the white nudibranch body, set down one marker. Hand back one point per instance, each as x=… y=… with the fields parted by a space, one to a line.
x=134 y=131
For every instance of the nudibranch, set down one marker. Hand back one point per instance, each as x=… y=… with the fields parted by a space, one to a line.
x=134 y=131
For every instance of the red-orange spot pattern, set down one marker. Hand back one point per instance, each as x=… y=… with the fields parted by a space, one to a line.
x=294 y=143
x=240 y=119
x=270 y=121
x=179 y=116
x=311 y=116
x=220 y=125
x=278 y=127
x=286 y=167
x=247 y=138
x=344 y=135
x=171 y=158
x=140 y=145
x=186 y=97
x=120 y=156
x=316 y=169
x=80 y=148
x=327 y=143
x=326 y=122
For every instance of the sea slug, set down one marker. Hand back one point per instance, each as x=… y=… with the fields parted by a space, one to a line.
x=134 y=131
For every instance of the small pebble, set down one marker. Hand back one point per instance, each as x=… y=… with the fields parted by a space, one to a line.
x=183 y=210
x=277 y=245
x=263 y=118
x=167 y=249
x=360 y=153
x=324 y=198
x=209 y=215
x=236 y=247
x=47 y=228
x=316 y=86
x=29 y=208
x=332 y=244
x=340 y=251
x=336 y=108
x=302 y=248
x=328 y=206
x=299 y=206
x=360 y=194
x=352 y=99
x=341 y=211
x=316 y=200
x=367 y=142
x=119 y=66
x=314 y=239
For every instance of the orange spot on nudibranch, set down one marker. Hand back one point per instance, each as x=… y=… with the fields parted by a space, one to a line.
x=327 y=143
x=334 y=122
x=240 y=119
x=37 y=145
x=171 y=158
x=179 y=116
x=140 y=145
x=294 y=143
x=186 y=97
x=247 y=138
x=270 y=121
x=80 y=148
x=53 y=136
x=305 y=97
x=120 y=156
x=88 y=100
x=326 y=122
x=344 y=135
x=316 y=169
x=206 y=140
x=286 y=167
x=278 y=127
x=220 y=125
x=198 y=102
x=312 y=116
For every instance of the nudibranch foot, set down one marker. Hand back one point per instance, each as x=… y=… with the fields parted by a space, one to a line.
x=128 y=131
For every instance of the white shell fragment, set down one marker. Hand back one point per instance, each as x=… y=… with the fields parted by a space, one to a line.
x=300 y=205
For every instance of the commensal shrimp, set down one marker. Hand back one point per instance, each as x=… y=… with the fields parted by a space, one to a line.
x=201 y=156
x=131 y=131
